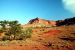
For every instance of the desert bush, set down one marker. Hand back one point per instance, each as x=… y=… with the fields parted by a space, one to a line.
x=24 y=35
x=4 y=43
x=5 y=38
x=14 y=31
x=1 y=30
x=28 y=32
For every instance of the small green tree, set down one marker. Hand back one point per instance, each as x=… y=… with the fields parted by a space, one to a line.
x=15 y=28
x=3 y=24
x=14 y=31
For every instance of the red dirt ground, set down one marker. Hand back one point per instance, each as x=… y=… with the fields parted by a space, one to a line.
x=52 y=33
x=35 y=47
x=29 y=48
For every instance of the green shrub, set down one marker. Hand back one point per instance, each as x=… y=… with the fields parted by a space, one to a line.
x=14 y=31
x=5 y=38
x=24 y=35
x=1 y=30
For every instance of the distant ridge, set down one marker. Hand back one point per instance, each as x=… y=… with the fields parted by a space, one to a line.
x=36 y=21
x=42 y=21
x=68 y=21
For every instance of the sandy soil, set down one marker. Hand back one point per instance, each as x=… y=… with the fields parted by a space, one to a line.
x=29 y=48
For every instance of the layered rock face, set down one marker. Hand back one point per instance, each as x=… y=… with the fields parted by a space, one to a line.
x=42 y=21
x=37 y=21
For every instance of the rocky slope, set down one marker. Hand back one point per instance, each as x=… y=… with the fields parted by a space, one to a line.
x=68 y=21
x=42 y=22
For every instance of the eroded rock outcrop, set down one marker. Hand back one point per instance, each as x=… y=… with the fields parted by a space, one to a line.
x=42 y=21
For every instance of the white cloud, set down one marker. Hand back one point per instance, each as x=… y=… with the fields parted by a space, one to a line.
x=69 y=5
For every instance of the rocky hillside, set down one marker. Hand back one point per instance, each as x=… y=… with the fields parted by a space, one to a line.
x=42 y=21
x=68 y=21
x=37 y=22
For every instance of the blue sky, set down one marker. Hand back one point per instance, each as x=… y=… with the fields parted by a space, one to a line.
x=24 y=10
